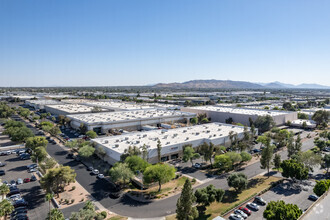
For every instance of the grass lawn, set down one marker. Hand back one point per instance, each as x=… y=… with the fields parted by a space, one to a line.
x=232 y=199
x=166 y=189
x=117 y=217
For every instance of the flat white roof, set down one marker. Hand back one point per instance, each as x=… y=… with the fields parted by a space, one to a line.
x=119 y=105
x=244 y=111
x=72 y=108
x=115 y=117
x=43 y=102
x=168 y=137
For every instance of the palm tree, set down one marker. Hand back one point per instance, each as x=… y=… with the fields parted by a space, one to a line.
x=4 y=190
x=49 y=197
x=6 y=208
x=56 y=215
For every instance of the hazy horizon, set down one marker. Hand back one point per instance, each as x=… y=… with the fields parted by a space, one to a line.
x=137 y=43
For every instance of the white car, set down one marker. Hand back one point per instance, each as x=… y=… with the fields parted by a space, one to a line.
x=236 y=217
x=241 y=213
x=100 y=176
x=253 y=206
x=95 y=172
x=15 y=197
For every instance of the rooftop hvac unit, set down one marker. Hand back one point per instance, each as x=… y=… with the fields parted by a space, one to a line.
x=214 y=135
x=126 y=138
x=187 y=138
x=137 y=142
x=145 y=135
x=116 y=145
x=106 y=141
x=197 y=133
x=117 y=140
x=208 y=131
x=219 y=129
x=184 y=131
x=168 y=143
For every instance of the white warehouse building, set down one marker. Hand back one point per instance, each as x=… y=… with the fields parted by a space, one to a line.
x=241 y=115
x=40 y=104
x=171 y=140
x=128 y=120
x=66 y=109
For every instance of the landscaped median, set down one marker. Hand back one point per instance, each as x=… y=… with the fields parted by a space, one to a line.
x=170 y=188
x=232 y=199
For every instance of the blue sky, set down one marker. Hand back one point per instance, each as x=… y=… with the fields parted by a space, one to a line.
x=137 y=42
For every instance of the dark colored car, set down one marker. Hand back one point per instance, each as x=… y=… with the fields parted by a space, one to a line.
x=260 y=200
x=13 y=192
x=313 y=197
x=33 y=178
x=245 y=210
x=2 y=164
x=2 y=172
x=20 y=203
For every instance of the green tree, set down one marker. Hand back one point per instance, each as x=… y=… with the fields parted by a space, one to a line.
x=321 y=187
x=294 y=170
x=91 y=134
x=86 y=151
x=184 y=206
x=194 y=121
x=159 y=150
x=34 y=142
x=302 y=116
x=245 y=156
x=294 y=147
x=136 y=163
x=6 y=208
x=326 y=162
x=121 y=173
x=238 y=181
x=278 y=210
x=277 y=161
x=82 y=128
x=204 y=121
x=266 y=157
x=207 y=151
x=130 y=151
x=4 y=190
x=264 y=123
x=310 y=159
x=209 y=194
x=57 y=178
x=145 y=153
x=100 y=152
x=39 y=154
x=49 y=197
x=189 y=154
x=321 y=116
x=160 y=173
x=235 y=158
x=55 y=131
x=55 y=214
x=223 y=162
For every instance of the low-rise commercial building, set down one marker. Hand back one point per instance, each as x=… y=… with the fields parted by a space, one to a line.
x=66 y=109
x=128 y=120
x=301 y=123
x=171 y=140
x=40 y=104
x=240 y=115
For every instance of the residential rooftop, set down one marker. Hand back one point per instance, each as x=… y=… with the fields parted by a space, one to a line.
x=168 y=137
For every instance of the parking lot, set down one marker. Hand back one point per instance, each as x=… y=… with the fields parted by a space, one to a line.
x=31 y=192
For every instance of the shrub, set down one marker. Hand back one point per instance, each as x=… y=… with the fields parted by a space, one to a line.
x=73 y=188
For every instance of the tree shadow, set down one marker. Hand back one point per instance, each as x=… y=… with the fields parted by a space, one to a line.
x=21 y=168
x=230 y=196
x=271 y=173
x=61 y=153
x=286 y=189
x=201 y=213
x=256 y=181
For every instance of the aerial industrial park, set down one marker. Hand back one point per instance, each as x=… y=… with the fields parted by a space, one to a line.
x=164 y=110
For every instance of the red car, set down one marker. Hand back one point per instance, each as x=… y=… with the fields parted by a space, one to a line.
x=26 y=180
x=245 y=210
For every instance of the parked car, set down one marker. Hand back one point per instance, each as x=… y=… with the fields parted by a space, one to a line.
x=13 y=192
x=32 y=170
x=197 y=165
x=90 y=168
x=8 y=152
x=235 y=217
x=19 y=181
x=2 y=164
x=253 y=206
x=245 y=210
x=33 y=178
x=260 y=200
x=100 y=176
x=241 y=213
x=26 y=180
x=31 y=166
x=2 y=172
x=327 y=149
x=20 y=203
x=313 y=197
x=5 y=182
x=95 y=172
x=15 y=197
x=13 y=182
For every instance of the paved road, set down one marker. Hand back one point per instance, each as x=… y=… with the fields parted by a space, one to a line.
x=320 y=211
x=125 y=206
